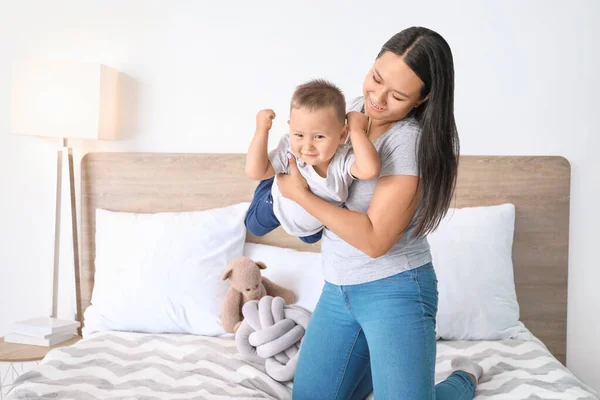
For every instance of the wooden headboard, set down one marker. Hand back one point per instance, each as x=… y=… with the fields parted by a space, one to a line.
x=538 y=186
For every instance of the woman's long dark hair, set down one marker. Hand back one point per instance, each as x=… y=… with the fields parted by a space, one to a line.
x=430 y=57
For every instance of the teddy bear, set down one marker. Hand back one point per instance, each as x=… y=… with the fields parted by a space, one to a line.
x=246 y=284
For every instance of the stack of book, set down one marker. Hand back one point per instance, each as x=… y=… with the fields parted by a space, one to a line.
x=43 y=331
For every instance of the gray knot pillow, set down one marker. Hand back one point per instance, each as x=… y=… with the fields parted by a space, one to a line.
x=272 y=333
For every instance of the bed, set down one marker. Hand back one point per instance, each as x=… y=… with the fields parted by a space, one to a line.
x=156 y=366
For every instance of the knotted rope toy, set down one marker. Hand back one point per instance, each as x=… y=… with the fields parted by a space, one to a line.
x=272 y=332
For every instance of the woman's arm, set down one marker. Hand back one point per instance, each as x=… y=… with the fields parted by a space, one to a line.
x=373 y=233
x=366 y=164
x=258 y=165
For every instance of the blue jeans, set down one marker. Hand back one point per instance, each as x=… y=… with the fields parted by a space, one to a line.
x=377 y=336
x=260 y=218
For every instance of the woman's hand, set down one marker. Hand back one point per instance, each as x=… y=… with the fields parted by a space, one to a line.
x=292 y=186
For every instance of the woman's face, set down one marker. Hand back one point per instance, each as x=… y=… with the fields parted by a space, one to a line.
x=391 y=89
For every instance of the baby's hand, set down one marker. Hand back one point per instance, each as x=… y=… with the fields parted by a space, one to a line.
x=357 y=121
x=264 y=120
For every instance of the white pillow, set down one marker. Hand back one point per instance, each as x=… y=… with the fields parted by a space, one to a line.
x=298 y=271
x=161 y=273
x=472 y=256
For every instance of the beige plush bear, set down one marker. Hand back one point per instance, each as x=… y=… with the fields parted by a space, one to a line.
x=247 y=284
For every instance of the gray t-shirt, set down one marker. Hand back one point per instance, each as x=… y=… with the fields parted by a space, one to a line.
x=344 y=264
x=333 y=188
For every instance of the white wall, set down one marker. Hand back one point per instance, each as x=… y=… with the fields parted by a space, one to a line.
x=195 y=73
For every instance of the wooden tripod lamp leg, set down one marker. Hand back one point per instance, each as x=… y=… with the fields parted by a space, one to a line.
x=59 y=172
x=55 y=276
x=75 y=238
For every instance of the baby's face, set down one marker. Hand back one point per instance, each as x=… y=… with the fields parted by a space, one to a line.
x=315 y=135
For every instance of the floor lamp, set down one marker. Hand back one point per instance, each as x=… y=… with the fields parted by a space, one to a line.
x=66 y=100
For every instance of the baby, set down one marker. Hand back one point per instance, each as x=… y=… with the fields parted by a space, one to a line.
x=317 y=139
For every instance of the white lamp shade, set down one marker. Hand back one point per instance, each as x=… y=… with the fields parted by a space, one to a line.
x=64 y=99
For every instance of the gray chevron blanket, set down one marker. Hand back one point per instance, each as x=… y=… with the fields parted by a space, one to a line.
x=152 y=367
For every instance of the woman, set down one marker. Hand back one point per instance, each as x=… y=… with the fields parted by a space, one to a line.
x=374 y=326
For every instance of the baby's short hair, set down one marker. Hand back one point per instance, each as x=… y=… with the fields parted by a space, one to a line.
x=317 y=94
